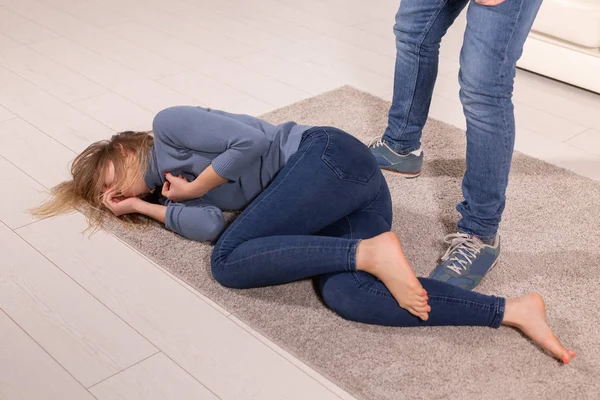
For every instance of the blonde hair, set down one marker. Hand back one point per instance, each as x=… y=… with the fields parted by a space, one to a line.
x=128 y=152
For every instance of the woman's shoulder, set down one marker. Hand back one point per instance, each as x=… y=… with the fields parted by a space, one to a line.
x=173 y=117
x=176 y=117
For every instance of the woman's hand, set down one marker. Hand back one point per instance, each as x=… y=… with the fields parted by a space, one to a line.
x=178 y=189
x=120 y=206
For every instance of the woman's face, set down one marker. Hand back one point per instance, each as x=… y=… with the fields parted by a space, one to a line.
x=138 y=188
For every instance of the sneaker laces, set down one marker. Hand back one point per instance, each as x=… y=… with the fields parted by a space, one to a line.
x=462 y=251
x=377 y=142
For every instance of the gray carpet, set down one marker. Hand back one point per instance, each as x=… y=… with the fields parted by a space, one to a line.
x=551 y=233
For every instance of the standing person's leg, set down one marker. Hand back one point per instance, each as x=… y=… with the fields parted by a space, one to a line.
x=493 y=43
x=331 y=176
x=420 y=26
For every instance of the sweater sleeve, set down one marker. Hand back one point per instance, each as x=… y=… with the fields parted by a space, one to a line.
x=237 y=144
x=195 y=220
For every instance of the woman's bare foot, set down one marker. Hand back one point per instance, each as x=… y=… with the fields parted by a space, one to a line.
x=528 y=314
x=382 y=256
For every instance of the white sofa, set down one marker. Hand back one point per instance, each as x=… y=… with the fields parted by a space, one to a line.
x=564 y=43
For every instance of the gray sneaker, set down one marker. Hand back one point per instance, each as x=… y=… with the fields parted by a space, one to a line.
x=467 y=260
x=409 y=165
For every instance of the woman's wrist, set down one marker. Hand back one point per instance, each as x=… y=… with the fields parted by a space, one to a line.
x=154 y=211
x=197 y=188
x=138 y=206
x=205 y=182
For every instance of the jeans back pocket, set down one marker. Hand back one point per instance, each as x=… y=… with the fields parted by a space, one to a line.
x=349 y=158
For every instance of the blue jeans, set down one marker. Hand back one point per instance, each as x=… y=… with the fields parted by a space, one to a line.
x=308 y=223
x=493 y=43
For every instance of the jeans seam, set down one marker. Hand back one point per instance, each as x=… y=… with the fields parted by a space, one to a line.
x=462 y=301
x=506 y=163
x=510 y=38
x=349 y=226
x=499 y=315
x=376 y=197
x=352 y=256
x=228 y=263
x=418 y=63
x=253 y=205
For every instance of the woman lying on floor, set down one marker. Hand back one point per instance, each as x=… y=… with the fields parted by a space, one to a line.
x=315 y=205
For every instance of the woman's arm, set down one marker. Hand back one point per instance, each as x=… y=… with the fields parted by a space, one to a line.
x=179 y=189
x=206 y=181
x=133 y=205
x=154 y=211
x=237 y=145
x=193 y=219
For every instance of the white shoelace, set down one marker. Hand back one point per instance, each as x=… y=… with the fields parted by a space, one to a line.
x=463 y=245
x=377 y=142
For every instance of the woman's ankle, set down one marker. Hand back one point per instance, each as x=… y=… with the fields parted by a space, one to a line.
x=518 y=310
x=365 y=255
x=510 y=315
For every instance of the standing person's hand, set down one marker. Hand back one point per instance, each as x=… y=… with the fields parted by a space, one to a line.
x=178 y=188
x=119 y=206
x=489 y=2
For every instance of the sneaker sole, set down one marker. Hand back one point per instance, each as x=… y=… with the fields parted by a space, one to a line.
x=407 y=175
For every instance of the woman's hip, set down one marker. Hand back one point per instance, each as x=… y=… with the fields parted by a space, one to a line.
x=344 y=155
x=316 y=188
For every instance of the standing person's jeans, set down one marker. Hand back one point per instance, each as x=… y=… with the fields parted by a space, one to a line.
x=308 y=223
x=493 y=43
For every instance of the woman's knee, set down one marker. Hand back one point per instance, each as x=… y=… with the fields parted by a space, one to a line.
x=218 y=267
x=386 y=205
x=379 y=214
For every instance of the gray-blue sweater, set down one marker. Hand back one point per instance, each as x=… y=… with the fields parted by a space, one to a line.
x=245 y=150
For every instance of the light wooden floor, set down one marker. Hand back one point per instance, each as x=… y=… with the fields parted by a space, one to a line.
x=90 y=317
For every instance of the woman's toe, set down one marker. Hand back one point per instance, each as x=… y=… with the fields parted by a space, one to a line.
x=420 y=309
